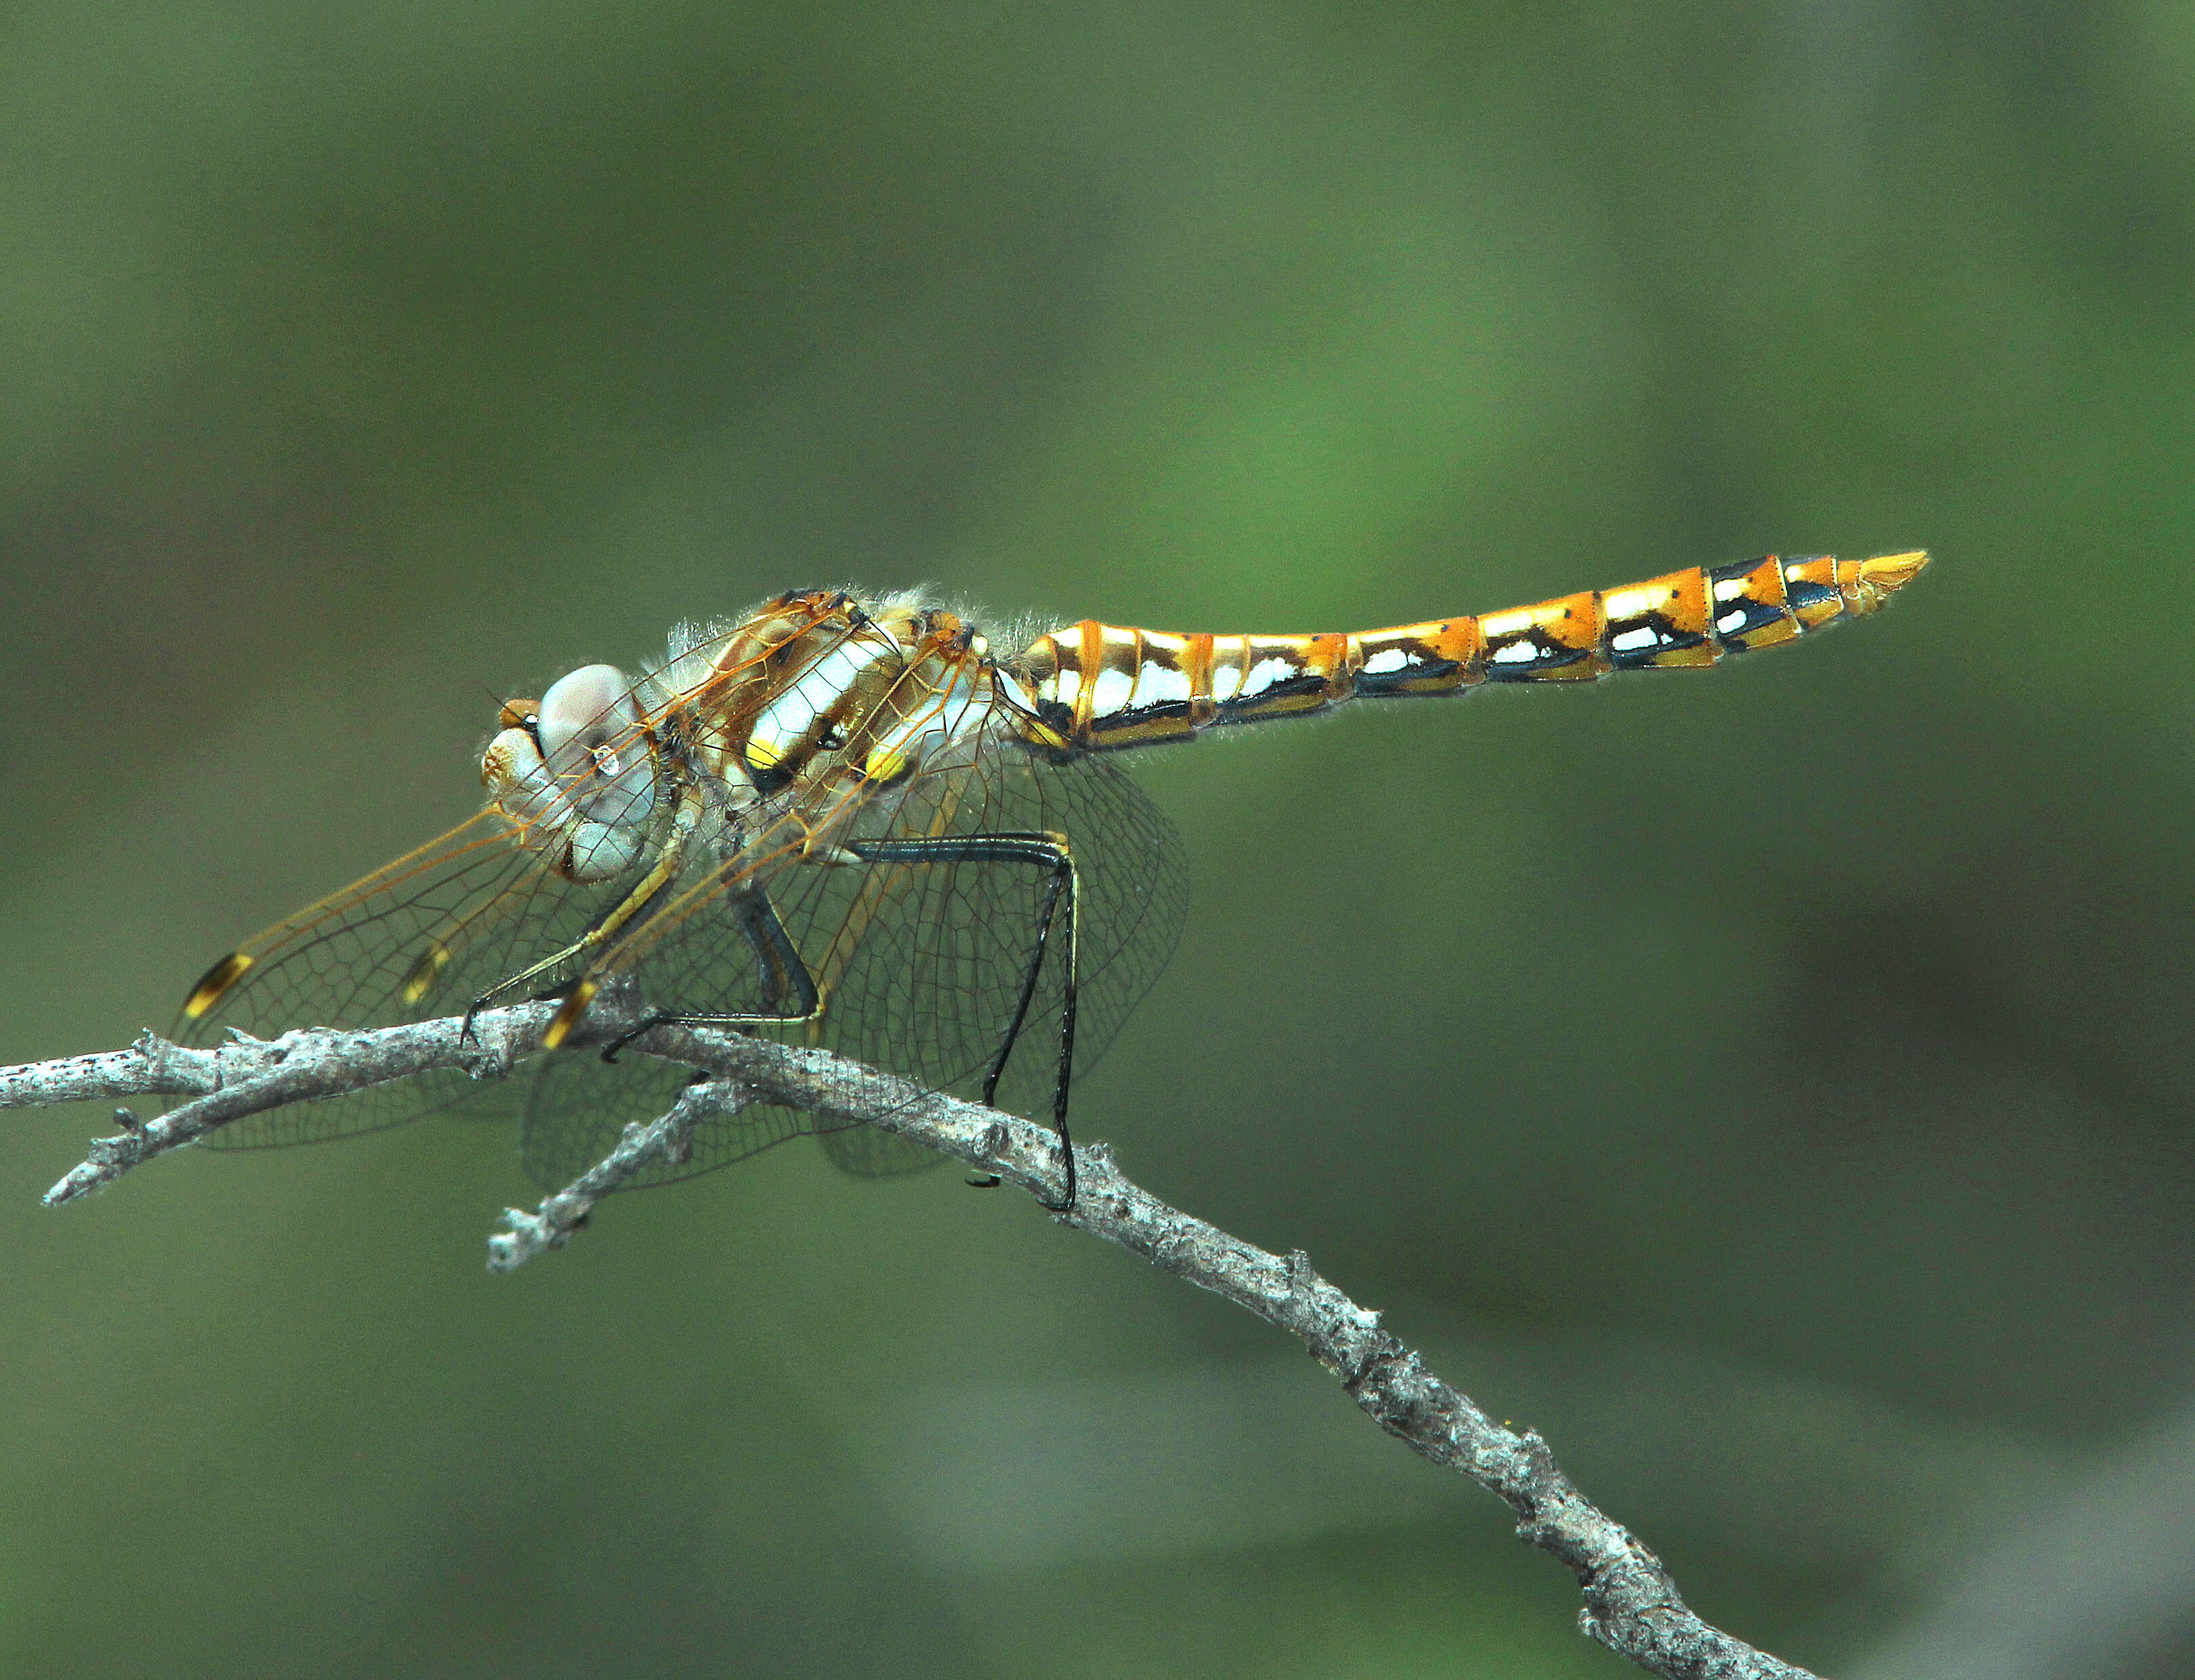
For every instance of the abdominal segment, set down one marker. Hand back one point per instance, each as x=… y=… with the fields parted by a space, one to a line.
x=1096 y=686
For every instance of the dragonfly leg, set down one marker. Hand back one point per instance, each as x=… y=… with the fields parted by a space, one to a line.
x=785 y=975
x=1051 y=853
x=649 y=1022
x=785 y=979
x=631 y=909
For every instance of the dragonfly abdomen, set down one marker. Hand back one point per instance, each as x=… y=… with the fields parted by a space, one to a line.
x=1098 y=685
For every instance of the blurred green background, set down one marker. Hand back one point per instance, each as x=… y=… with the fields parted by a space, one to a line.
x=1773 y=1084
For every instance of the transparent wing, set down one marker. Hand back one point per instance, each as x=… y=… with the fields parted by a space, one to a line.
x=422 y=937
x=430 y=934
x=921 y=967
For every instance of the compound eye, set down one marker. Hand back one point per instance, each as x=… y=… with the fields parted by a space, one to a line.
x=592 y=743
x=590 y=705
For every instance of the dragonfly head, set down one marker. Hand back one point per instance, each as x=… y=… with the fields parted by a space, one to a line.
x=575 y=772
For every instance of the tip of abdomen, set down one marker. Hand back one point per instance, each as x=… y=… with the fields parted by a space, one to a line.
x=1884 y=576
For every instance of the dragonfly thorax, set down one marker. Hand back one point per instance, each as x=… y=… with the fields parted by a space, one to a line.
x=842 y=697
x=779 y=729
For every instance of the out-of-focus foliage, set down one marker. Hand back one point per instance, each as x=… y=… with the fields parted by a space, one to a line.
x=1773 y=1084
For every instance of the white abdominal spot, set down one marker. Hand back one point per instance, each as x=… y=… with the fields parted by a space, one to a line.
x=1632 y=640
x=1014 y=694
x=1265 y=673
x=1159 y=684
x=1385 y=662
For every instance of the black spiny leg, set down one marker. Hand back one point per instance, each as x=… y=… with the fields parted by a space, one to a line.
x=785 y=977
x=1051 y=853
x=648 y=1022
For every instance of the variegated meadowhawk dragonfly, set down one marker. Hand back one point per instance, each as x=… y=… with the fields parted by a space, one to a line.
x=847 y=821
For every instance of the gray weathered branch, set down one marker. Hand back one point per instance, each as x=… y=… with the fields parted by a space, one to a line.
x=669 y=1137
x=1631 y=1604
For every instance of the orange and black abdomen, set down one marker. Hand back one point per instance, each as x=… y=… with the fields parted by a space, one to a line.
x=1097 y=685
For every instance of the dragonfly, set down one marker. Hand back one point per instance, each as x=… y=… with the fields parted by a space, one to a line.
x=848 y=821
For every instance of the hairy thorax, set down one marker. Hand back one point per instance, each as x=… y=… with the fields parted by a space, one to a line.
x=774 y=732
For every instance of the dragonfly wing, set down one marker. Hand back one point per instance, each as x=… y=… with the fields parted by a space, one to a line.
x=926 y=963
x=922 y=966
x=579 y=1107
x=870 y=1152
x=431 y=933
x=422 y=937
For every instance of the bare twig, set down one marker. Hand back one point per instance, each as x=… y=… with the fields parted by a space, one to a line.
x=669 y=1138
x=1631 y=1604
x=251 y=1075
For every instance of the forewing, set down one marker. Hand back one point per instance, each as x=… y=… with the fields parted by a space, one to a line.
x=422 y=937
x=428 y=934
